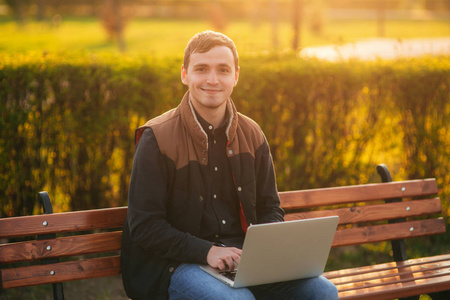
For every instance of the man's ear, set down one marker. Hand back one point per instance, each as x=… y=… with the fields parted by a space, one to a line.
x=236 y=76
x=183 y=75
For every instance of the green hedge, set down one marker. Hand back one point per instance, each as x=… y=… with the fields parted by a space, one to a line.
x=67 y=122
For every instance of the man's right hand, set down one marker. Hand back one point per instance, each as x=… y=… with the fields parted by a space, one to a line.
x=223 y=258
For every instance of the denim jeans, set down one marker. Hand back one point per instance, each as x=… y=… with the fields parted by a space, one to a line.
x=190 y=282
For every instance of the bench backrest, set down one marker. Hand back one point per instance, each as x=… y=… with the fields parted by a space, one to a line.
x=372 y=212
x=364 y=218
x=91 y=232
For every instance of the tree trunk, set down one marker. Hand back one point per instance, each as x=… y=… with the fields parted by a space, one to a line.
x=297 y=11
x=274 y=15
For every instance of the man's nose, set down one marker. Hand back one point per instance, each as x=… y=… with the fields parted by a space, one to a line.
x=212 y=78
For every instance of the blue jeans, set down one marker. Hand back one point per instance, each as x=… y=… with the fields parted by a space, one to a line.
x=190 y=282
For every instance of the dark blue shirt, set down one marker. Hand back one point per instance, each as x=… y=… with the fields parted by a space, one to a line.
x=220 y=218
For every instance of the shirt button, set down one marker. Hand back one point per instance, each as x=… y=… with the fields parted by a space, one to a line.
x=216 y=235
x=171 y=269
x=210 y=127
x=224 y=222
x=230 y=151
x=201 y=198
x=239 y=189
x=216 y=169
x=215 y=196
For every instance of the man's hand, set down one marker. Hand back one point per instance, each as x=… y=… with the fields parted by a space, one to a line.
x=223 y=258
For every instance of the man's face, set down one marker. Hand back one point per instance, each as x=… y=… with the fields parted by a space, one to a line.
x=211 y=77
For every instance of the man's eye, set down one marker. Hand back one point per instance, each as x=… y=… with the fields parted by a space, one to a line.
x=224 y=70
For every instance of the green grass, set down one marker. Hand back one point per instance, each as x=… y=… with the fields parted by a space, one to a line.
x=168 y=37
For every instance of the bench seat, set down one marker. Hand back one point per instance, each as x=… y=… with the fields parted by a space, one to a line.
x=394 y=279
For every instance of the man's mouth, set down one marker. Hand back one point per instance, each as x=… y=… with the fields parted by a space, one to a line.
x=212 y=91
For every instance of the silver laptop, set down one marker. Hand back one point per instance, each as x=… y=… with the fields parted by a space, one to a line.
x=281 y=251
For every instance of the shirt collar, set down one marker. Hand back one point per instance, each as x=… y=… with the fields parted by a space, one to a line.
x=207 y=127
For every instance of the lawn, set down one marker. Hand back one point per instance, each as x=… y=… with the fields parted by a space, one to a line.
x=161 y=37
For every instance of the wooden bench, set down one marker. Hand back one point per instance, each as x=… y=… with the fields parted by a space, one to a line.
x=88 y=242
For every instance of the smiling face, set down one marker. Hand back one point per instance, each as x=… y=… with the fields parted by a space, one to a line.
x=211 y=77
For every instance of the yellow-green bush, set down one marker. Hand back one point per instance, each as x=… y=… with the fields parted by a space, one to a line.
x=67 y=123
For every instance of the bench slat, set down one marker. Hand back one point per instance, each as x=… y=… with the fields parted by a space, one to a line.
x=422 y=270
x=358 y=193
x=387 y=232
x=63 y=222
x=64 y=246
x=395 y=278
x=376 y=212
x=399 y=289
x=387 y=266
x=64 y=271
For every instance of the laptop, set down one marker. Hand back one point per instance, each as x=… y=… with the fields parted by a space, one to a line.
x=281 y=251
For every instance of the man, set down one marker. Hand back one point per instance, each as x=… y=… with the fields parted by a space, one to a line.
x=202 y=174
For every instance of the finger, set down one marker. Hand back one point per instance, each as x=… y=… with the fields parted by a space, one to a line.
x=229 y=262
x=237 y=252
x=221 y=265
x=236 y=258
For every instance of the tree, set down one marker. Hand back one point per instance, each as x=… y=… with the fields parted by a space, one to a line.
x=18 y=9
x=297 y=10
x=274 y=16
x=113 y=20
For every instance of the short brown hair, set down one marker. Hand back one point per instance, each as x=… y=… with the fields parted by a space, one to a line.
x=206 y=40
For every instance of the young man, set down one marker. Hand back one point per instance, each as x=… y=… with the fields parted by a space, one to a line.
x=202 y=174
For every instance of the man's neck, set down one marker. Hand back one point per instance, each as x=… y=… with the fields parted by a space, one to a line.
x=214 y=116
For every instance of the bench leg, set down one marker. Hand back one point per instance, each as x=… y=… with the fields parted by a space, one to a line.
x=44 y=199
x=58 y=293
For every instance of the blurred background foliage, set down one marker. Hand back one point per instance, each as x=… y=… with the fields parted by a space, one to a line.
x=68 y=122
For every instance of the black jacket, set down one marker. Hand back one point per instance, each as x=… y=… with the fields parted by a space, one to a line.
x=167 y=191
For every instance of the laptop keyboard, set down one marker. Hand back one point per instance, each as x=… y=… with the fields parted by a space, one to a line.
x=229 y=274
